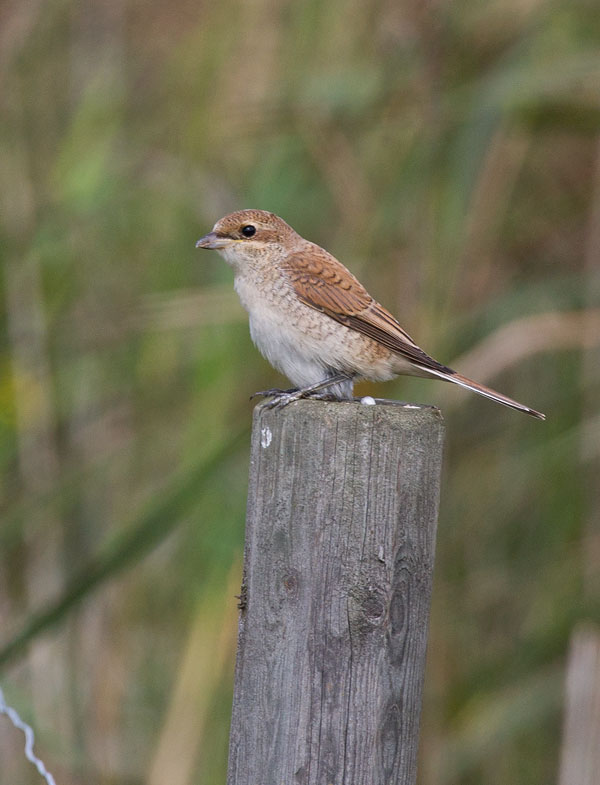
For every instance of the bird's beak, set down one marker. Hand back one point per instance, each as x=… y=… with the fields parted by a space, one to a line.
x=212 y=241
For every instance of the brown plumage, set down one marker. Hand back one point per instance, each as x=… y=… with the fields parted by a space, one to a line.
x=322 y=282
x=313 y=319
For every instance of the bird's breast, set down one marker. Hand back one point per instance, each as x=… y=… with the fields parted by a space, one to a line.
x=289 y=334
x=300 y=341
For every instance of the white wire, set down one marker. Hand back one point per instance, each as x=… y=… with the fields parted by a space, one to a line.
x=29 y=739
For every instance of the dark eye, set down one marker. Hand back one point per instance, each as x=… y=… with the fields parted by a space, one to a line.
x=248 y=230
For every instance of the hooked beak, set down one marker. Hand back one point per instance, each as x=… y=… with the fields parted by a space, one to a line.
x=212 y=241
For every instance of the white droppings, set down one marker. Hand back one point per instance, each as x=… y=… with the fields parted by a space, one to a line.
x=410 y=406
x=265 y=437
x=368 y=401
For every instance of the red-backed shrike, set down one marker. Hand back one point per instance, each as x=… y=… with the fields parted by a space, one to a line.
x=312 y=319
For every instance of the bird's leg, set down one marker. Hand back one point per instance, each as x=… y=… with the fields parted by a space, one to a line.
x=281 y=398
x=272 y=392
x=338 y=378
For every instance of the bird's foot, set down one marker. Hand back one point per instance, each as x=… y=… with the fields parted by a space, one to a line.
x=273 y=392
x=283 y=397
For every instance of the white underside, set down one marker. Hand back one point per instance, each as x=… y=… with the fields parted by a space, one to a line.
x=317 y=350
x=294 y=354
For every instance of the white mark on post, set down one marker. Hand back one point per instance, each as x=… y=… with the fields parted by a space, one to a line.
x=265 y=437
x=368 y=401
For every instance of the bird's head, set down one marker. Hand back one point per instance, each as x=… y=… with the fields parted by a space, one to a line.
x=247 y=234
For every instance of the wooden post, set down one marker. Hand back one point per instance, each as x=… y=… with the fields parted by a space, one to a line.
x=340 y=541
x=580 y=753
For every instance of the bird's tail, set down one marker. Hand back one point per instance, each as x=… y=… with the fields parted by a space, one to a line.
x=469 y=384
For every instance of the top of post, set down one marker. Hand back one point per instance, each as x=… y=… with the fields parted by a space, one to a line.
x=396 y=414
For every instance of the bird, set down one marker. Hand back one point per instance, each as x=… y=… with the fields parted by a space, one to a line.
x=313 y=320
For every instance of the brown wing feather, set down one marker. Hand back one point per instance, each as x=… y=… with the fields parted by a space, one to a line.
x=323 y=283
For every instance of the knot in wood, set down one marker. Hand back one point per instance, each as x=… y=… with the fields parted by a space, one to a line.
x=290 y=582
x=367 y=609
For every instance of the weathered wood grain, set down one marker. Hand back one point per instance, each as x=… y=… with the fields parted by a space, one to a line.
x=340 y=540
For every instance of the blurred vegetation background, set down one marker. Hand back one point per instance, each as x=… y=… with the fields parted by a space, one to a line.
x=449 y=154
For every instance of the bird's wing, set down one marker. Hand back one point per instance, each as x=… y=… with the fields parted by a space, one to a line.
x=323 y=283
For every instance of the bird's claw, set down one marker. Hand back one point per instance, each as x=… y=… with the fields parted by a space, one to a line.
x=283 y=398
x=273 y=392
x=279 y=398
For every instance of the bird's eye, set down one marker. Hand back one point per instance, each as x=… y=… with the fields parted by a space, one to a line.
x=248 y=230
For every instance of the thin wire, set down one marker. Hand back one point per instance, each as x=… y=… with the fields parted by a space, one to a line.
x=29 y=739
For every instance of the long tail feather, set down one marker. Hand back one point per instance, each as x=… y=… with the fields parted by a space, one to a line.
x=469 y=384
